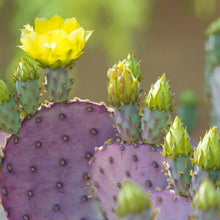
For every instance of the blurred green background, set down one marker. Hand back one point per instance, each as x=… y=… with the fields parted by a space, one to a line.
x=168 y=36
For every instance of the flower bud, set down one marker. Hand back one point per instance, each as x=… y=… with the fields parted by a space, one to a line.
x=123 y=87
x=207 y=153
x=207 y=197
x=177 y=141
x=25 y=71
x=159 y=96
x=4 y=92
x=132 y=200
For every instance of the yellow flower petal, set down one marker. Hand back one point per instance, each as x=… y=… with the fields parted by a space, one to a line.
x=28 y=28
x=78 y=41
x=55 y=23
x=30 y=44
x=40 y=25
x=70 y=25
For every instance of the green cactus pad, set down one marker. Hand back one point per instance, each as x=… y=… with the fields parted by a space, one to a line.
x=214 y=28
x=199 y=175
x=29 y=92
x=177 y=141
x=179 y=172
x=154 y=125
x=207 y=153
x=4 y=92
x=160 y=96
x=58 y=83
x=9 y=117
x=132 y=200
x=25 y=71
x=134 y=65
x=123 y=87
x=127 y=122
x=207 y=197
x=177 y=148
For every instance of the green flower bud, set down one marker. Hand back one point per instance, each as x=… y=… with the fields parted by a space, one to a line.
x=123 y=87
x=134 y=65
x=207 y=153
x=214 y=28
x=160 y=96
x=25 y=71
x=132 y=200
x=177 y=141
x=207 y=197
x=4 y=92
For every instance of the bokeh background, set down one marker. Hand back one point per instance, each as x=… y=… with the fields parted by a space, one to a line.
x=168 y=36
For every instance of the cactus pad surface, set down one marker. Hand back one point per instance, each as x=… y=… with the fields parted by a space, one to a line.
x=45 y=172
x=115 y=163
x=171 y=206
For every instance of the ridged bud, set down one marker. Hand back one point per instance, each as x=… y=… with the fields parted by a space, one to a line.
x=207 y=153
x=4 y=92
x=25 y=71
x=123 y=87
x=134 y=65
x=177 y=141
x=159 y=96
x=132 y=200
x=207 y=197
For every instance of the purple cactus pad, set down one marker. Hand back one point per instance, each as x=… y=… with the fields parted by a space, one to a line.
x=171 y=206
x=45 y=172
x=115 y=163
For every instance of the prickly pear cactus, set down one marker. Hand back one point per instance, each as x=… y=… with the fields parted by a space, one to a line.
x=62 y=160
x=206 y=159
x=171 y=205
x=58 y=83
x=157 y=112
x=45 y=171
x=123 y=92
x=9 y=115
x=115 y=163
x=177 y=149
x=27 y=85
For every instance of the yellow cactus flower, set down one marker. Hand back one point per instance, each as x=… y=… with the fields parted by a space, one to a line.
x=54 y=42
